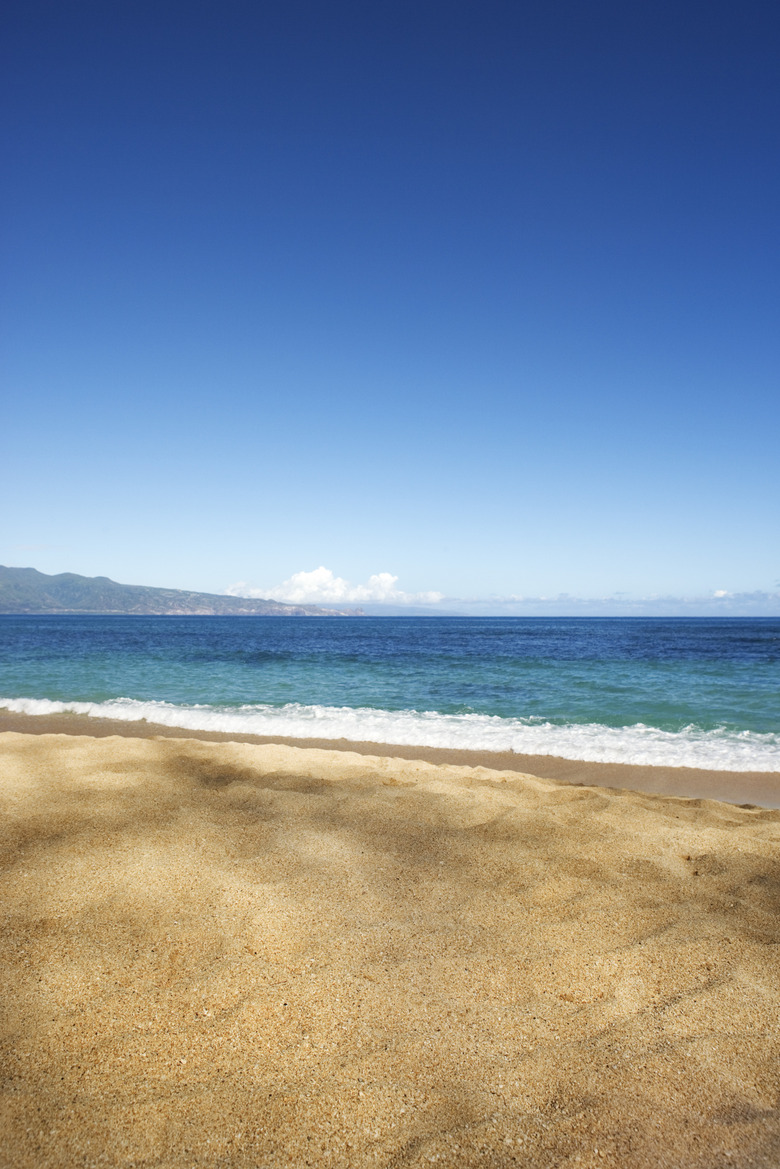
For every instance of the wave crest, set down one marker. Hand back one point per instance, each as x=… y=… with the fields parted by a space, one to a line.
x=713 y=750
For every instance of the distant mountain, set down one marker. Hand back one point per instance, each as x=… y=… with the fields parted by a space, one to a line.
x=25 y=590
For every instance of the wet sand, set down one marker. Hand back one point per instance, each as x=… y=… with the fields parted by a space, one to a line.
x=235 y=954
x=761 y=788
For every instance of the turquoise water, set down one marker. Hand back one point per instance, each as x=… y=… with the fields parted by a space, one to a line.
x=697 y=692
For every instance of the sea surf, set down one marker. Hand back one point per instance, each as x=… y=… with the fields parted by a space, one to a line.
x=688 y=692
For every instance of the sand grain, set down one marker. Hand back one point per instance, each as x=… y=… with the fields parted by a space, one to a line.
x=242 y=955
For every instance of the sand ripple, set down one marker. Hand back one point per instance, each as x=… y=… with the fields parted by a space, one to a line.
x=240 y=955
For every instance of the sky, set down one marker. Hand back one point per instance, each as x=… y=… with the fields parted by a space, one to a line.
x=443 y=304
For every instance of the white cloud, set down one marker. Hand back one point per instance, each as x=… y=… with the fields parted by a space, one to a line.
x=721 y=603
x=323 y=587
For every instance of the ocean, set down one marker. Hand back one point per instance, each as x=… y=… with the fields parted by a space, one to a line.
x=695 y=692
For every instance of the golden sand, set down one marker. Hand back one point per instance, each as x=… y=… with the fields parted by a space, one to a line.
x=223 y=954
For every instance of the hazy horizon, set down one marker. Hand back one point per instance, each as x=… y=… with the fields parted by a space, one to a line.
x=381 y=597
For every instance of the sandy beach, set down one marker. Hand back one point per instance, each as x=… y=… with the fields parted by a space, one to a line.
x=247 y=954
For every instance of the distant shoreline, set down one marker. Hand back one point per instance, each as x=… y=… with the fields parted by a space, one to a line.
x=758 y=788
x=25 y=592
x=372 y=613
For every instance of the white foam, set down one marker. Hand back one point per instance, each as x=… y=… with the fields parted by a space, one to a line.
x=715 y=750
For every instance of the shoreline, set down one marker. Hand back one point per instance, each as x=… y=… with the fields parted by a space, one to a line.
x=743 y=788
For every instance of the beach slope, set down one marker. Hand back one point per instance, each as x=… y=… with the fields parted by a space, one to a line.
x=221 y=954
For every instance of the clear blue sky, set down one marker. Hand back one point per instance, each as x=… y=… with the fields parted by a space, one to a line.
x=481 y=295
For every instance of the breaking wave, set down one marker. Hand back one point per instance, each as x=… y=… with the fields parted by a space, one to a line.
x=715 y=750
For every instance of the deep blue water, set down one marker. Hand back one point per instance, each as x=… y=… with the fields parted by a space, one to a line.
x=683 y=690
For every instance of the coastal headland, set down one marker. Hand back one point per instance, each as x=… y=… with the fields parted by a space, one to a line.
x=27 y=592
x=222 y=953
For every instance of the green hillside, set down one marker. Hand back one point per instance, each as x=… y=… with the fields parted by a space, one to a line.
x=25 y=590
